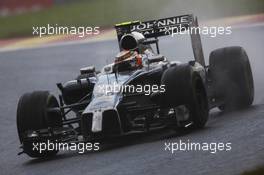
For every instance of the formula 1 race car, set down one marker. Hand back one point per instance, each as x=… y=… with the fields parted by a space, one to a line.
x=140 y=91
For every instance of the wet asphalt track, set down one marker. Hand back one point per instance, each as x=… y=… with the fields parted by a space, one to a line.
x=39 y=69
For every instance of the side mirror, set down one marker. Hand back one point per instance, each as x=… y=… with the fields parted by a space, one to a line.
x=156 y=58
x=87 y=70
x=108 y=69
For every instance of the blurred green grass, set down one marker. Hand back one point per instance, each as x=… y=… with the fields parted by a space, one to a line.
x=105 y=13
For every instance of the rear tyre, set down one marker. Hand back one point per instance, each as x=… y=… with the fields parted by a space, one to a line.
x=32 y=114
x=231 y=77
x=185 y=87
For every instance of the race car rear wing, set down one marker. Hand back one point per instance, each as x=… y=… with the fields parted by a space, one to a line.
x=165 y=27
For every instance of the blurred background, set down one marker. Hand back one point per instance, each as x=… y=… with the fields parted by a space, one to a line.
x=18 y=16
x=29 y=63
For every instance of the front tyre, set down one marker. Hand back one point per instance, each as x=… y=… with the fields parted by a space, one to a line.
x=185 y=87
x=33 y=114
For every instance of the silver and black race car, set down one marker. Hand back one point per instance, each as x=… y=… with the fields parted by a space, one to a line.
x=140 y=91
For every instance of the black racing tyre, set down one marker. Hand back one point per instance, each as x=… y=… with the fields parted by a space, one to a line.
x=32 y=115
x=231 y=77
x=185 y=87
